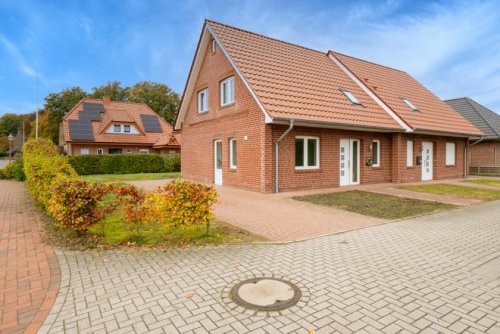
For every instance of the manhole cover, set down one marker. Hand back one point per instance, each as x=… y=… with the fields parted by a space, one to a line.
x=265 y=294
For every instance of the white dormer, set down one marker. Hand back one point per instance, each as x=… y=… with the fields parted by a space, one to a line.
x=127 y=129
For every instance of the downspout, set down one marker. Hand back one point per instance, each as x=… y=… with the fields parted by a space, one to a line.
x=276 y=157
x=467 y=148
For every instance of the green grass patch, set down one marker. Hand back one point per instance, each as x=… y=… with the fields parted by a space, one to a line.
x=487 y=182
x=130 y=177
x=376 y=205
x=456 y=191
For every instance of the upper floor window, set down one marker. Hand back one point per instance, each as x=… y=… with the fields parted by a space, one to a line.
x=117 y=128
x=409 y=104
x=227 y=91
x=214 y=45
x=126 y=128
x=306 y=152
x=376 y=153
x=450 y=154
x=203 y=100
x=350 y=96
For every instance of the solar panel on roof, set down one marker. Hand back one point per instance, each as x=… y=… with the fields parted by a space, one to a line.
x=91 y=111
x=80 y=129
x=151 y=123
x=90 y=106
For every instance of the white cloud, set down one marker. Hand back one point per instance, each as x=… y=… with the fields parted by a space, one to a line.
x=18 y=57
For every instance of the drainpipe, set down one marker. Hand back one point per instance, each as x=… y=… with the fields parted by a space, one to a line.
x=467 y=148
x=276 y=158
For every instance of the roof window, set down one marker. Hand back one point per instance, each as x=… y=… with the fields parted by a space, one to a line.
x=409 y=104
x=350 y=96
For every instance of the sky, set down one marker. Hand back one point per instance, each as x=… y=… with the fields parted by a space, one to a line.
x=451 y=47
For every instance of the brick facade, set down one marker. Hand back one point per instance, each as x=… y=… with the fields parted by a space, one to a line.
x=256 y=140
x=486 y=153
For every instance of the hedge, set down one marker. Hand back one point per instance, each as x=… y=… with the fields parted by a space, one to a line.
x=13 y=171
x=124 y=164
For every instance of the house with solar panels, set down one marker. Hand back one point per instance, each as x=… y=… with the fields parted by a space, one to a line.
x=102 y=126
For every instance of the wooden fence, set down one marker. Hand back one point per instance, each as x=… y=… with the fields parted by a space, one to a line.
x=484 y=170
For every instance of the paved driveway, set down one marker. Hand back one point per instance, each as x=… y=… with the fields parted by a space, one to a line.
x=425 y=275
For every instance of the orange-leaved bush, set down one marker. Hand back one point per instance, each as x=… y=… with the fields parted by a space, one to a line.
x=132 y=199
x=181 y=203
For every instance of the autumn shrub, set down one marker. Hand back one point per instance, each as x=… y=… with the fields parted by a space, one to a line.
x=13 y=171
x=181 y=203
x=132 y=199
x=118 y=164
x=76 y=204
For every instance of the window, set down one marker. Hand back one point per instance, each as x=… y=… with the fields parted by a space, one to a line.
x=144 y=151
x=126 y=128
x=227 y=91
x=214 y=45
x=203 y=100
x=100 y=151
x=350 y=96
x=115 y=151
x=84 y=151
x=232 y=153
x=376 y=153
x=409 y=104
x=306 y=152
x=409 y=153
x=450 y=154
x=117 y=128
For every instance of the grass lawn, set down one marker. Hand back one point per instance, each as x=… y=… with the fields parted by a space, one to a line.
x=376 y=205
x=488 y=182
x=130 y=177
x=456 y=191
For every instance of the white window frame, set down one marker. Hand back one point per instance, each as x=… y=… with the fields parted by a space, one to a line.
x=115 y=126
x=125 y=127
x=306 y=138
x=409 y=104
x=144 y=151
x=378 y=153
x=214 y=45
x=409 y=153
x=351 y=97
x=232 y=142
x=203 y=100
x=101 y=150
x=451 y=154
x=228 y=84
x=84 y=149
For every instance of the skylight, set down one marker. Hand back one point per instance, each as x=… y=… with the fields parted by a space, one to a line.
x=409 y=104
x=350 y=96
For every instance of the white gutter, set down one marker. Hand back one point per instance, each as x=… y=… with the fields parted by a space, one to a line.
x=371 y=94
x=276 y=157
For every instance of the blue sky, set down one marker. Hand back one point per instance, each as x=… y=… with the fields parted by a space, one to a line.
x=452 y=47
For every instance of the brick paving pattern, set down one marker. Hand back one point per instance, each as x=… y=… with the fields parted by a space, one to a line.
x=29 y=272
x=413 y=276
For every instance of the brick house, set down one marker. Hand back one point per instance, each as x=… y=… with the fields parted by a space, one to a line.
x=267 y=115
x=485 y=150
x=102 y=126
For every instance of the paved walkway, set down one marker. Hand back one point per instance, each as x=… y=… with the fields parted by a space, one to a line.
x=29 y=272
x=433 y=274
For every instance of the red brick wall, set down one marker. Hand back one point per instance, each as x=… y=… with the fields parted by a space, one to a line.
x=485 y=153
x=240 y=120
x=75 y=149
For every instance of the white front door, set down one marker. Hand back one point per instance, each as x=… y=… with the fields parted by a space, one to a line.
x=218 y=162
x=427 y=161
x=349 y=162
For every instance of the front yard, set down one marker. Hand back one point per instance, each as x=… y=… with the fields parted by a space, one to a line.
x=456 y=191
x=376 y=205
x=486 y=182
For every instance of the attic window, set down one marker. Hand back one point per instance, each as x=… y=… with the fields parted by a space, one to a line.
x=214 y=45
x=409 y=104
x=350 y=96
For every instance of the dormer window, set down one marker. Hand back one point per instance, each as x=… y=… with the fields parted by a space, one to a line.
x=117 y=128
x=409 y=104
x=126 y=128
x=350 y=96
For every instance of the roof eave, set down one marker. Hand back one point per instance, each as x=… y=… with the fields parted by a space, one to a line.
x=333 y=125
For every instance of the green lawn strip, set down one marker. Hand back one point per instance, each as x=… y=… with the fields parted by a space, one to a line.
x=456 y=191
x=376 y=205
x=130 y=177
x=487 y=182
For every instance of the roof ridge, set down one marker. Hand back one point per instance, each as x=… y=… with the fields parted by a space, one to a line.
x=481 y=115
x=457 y=98
x=368 y=61
x=267 y=37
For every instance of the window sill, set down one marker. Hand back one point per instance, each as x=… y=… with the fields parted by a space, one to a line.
x=410 y=167
x=455 y=165
x=202 y=112
x=376 y=167
x=307 y=170
x=232 y=169
x=226 y=105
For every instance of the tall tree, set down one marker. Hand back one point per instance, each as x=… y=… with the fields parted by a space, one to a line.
x=59 y=104
x=157 y=96
x=112 y=89
x=44 y=125
x=9 y=124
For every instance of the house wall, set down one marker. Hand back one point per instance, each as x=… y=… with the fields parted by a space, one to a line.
x=486 y=153
x=76 y=149
x=242 y=120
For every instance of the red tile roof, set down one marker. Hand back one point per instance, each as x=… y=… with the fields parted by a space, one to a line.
x=122 y=112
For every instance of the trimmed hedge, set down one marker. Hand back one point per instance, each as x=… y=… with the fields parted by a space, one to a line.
x=13 y=171
x=124 y=164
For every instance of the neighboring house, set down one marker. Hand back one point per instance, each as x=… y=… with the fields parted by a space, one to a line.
x=485 y=150
x=96 y=126
x=271 y=116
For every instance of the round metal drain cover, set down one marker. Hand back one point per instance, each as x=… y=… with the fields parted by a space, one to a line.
x=265 y=294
